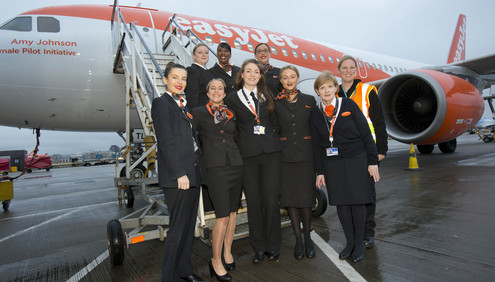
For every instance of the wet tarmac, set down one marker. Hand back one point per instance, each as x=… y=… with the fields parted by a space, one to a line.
x=433 y=224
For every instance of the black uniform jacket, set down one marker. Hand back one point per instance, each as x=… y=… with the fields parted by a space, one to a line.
x=217 y=140
x=218 y=72
x=376 y=116
x=249 y=143
x=273 y=81
x=175 y=132
x=197 y=79
x=294 y=123
x=351 y=134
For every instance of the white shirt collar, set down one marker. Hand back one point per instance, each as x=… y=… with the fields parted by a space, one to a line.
x=200 y=65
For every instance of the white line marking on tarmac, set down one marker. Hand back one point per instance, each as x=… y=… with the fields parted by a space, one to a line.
x=80 y=275
x=344 y=267
x=37 y=225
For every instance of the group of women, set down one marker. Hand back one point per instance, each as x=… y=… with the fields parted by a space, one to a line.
x=273 y=145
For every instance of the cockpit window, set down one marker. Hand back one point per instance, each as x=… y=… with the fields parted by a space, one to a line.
x=18 y=24
x=48 y=24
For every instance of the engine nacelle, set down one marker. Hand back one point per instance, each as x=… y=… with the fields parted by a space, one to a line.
x=429 y=107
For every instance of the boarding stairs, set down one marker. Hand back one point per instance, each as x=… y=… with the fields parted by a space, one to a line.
x=143 y=71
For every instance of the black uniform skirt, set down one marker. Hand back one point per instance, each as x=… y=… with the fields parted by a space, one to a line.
x=297 y=184
x=348 y=181
x=224 y=188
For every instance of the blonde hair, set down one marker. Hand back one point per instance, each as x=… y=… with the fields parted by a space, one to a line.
x=346 y=57
x=288 y=67
x=324 y=77
x=199 y=45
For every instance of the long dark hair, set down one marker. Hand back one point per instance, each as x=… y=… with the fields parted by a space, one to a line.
x=261 y=86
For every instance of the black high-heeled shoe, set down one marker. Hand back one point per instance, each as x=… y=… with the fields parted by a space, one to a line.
x=225 y=277
x=310 y=249
x=299 y=250
x=229 y=266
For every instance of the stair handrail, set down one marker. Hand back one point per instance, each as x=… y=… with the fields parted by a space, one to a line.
x=173 y=22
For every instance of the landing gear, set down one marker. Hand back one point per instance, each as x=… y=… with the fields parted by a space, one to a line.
x=425 y=149
x=448 y=147
x=138 y=172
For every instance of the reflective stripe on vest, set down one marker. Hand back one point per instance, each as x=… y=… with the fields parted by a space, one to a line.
x=363 y=101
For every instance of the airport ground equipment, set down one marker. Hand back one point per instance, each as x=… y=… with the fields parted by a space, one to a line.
x=143 y=73
x=6 y=193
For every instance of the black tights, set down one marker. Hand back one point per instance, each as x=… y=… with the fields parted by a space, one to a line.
x=296 y=216
x=353 y=218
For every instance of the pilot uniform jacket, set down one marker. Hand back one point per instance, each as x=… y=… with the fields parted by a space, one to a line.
x=197 y=80
x=297 y=174
x=249 y=143
x=218 y=72
x=346 y=175
x=176 y=153
x=273 y=81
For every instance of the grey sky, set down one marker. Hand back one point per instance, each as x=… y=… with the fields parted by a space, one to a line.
x=419 y=30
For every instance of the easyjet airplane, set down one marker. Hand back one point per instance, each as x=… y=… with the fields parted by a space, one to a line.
x=56 y=72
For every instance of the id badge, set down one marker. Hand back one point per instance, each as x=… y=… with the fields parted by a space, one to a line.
x=332 y=152
x=258 y=129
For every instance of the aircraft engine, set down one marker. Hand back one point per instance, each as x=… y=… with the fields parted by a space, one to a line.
x=429 y=107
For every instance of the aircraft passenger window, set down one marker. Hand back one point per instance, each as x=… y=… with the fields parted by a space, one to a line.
x=322 y=58
x=194 y=39
x=284 y=51
x=274 y=50
x=360 y=64
x=223 y=40
x=314 y=56
x=391 y=69
x=305 y=56
x=18 y=24
x=368 y=65
x=379 y=67
x=250 y=46
x=295 y=54
x=338 y=59
x=330 y=59
x=237 y=45
x=145 y=29
x=373 y=65
x=209 y=40
x=385 y=68
x=396 y=69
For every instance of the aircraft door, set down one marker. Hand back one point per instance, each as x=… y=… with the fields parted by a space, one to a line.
x=361 y=67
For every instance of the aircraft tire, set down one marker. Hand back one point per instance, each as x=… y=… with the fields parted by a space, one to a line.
x=29 y=170
x=136 y=173
x=128 y=197
x=425 y=149
x=448 y=147
x=487 y=139
x=321 y=203
x=115 y=240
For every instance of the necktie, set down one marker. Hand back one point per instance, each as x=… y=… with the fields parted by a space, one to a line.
x=255 y=101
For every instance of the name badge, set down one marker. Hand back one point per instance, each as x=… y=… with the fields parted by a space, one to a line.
x=332 y=152
x=258 y=129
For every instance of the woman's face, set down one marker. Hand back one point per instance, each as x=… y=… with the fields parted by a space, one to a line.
x=289 y=79
x=262 y=54
x=223 y=56
x=216 y=92
x=348 y=71
x=201 y=56
x=176 y=80
x=327 y=92
x=251 y=75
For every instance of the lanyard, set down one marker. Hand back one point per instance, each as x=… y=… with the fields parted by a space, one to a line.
x=256 y=113
x=334 y=117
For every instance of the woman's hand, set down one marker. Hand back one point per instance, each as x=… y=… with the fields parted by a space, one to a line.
x=373 y=171
x=320 y=180
x=183 y=182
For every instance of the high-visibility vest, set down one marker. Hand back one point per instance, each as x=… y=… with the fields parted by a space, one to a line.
x=362 y=99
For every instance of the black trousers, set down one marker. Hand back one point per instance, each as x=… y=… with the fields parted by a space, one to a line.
x=183 y=209
x=261 y=181
x=369 y=227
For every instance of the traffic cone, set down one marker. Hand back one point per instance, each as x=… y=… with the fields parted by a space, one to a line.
x=413 y=162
